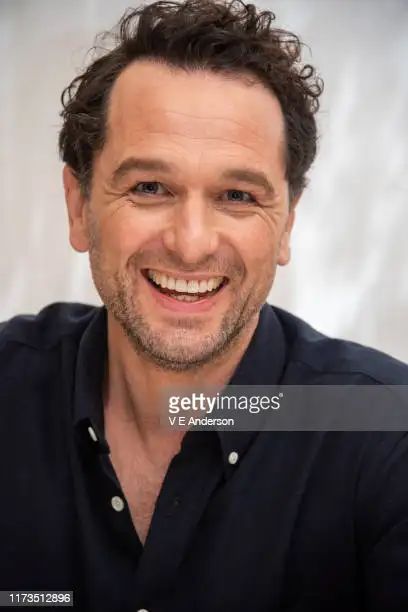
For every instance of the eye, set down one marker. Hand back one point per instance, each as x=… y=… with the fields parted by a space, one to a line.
x=150 y=190
x=237 y=192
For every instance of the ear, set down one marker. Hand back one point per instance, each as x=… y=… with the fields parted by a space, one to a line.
x=76 y=207
x=284 y=245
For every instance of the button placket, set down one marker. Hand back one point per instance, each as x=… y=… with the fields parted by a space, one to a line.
x=92 y=434
x=233 y=458
x=117 y=503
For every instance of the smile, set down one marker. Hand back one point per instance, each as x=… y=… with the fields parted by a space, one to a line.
x=185 y=289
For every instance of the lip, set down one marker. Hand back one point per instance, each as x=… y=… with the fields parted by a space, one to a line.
x=171 y=304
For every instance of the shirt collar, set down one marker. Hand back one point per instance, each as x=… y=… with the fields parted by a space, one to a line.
x=263 y=363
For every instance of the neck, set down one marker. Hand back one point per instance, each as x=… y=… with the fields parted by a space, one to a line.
x=133 y=382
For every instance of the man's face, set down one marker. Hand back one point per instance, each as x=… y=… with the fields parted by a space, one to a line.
x=182 y=254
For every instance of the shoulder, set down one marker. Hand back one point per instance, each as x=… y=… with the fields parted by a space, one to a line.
x=38 y=354
x=47 y=328
x=34 y=348
x=343 y=360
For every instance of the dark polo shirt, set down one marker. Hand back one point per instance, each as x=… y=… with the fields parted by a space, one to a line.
x=301 y=521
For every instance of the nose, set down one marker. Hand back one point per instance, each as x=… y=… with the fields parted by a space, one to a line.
x=192 y=234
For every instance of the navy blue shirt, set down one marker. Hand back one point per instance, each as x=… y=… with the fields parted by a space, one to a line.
x=303 y=521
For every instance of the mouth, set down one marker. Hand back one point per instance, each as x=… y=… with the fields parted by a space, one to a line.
x=184 y=289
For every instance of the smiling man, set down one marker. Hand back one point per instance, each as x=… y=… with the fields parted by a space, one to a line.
x=189 y=201
x=186 y=148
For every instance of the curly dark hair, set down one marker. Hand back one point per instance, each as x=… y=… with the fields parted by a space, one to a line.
x=232 y=38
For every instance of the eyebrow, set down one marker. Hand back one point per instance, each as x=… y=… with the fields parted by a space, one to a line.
x=247 y=175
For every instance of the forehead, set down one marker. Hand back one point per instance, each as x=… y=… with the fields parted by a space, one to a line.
x=152 y=103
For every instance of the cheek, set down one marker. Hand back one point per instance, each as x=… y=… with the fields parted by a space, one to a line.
x=123 y=233
x=260 y=263
x=257 y=241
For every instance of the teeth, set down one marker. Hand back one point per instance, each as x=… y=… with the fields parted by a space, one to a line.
x=163 y=280
x=186 y=298
x=192 y=287
x=183 y=286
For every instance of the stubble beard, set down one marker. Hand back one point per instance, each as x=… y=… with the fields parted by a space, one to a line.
x=184 y=348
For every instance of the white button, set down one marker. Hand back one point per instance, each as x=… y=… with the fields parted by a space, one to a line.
x=117 y=503
x=143 y=610
x=233 y=457
x=92 y=434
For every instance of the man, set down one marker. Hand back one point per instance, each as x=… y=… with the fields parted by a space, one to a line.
x=186 y=149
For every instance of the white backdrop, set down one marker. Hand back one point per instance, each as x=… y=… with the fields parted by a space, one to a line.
x=348 y=275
